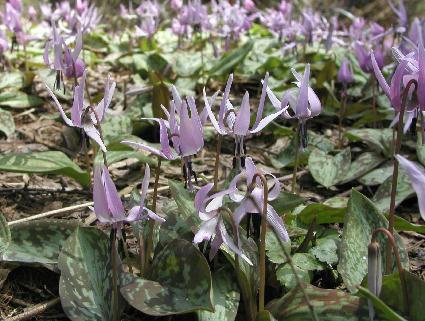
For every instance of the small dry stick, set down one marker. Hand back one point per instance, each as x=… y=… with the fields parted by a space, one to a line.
x=35 y=310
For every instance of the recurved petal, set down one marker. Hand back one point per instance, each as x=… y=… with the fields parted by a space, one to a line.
x=421 y=76
x=241 y=125
x=277 y=223
x=93 y=133
x=99 y=197
x=206 y=230
x=201 y=196
x=59 y=107
x=416 y=175
x=301 y=107
x=154 y=216
x=113 y=199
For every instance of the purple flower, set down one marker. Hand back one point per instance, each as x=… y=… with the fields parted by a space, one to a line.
x=249 y=5
x=252 y=200
x=12 y=19
x=4 y=45
x=213 y=227
x=185 y=133
x=398 y=81
x=421 y=75
x=176 y=4
x=32 y=13
x=237 y=122
x=416 y=175
x=108 y=206
x=74 y=66
x=345 y=73
x=79 y=114
x=16 y=4
x=400 y=12
x=303 y=101
x=137 y=212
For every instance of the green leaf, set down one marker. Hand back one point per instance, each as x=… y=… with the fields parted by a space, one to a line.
x=7 y=123
x=18 y=99
x=274 y=248
x=363 y=164
x=184 y=200
x=383 y=310
x=361 y=220
x=324 y=214
x=286 y=202
x=116 y=126
x=382 y=196
x=38 y=241
x=230 y=60
x=377 y=139
x=391 y=294
x=326 y=250
x=226 y=298
x=5 y=237
x=287 y=156
x=49 y=162
x=303 y=263
x=329 y=305
x=85 y=285
x=402 y=225
x=181 y=282
x=378 y=175
x=420 y=150
x=328 y=170
x=11 y=80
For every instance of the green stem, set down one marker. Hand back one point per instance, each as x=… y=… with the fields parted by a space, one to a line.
x=391 y=217
x=262 y=249
x=217 y=162
x=296 y=161
x=149 y=241
x=114 y=275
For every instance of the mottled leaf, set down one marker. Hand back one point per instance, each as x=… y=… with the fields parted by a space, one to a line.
x=378 y=175
x=391 y=294
x=5 y=237
x=382 y=196
x=49 y=162
x=180 y=282
x=115 y=126
x=7 y=123
x=38 y=241
x=85 y=285
x=11 y=80
x=377 y=139
x=361 y=219
x=329 y=305
x=328 y=170
x=326 y=250
x=18 y=99
x=225 y=298
x=363 y=164
x=286 y=202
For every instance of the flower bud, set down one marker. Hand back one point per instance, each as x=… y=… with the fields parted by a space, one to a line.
x=374 y=273
x=345 y=74
x=79 y=69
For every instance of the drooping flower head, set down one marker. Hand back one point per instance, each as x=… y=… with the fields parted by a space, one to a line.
x=108 y=206
x=251 y=200
x=345 y=73
x=82 y=116
x=303 y=102
x=181 y=134
x=236 y=122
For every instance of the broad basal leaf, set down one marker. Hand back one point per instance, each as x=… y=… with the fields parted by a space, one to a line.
x=225 y=298
x=180 y=282
x=184 y=200
x=326 y=169
x=38 y=241
x=18 y=99
x=329 y=305
x=377 y=139
x=85 y=285
x=324 y=214
x=7 y=123
x=378 y=175
x=49 y=162
x=362 y=165
x=382 y=197
x=391 y=294
x=361 y=219
x=4 y=234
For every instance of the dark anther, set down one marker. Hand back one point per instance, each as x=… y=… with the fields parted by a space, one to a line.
x=413 y=126
x=185 y=175
x=57 y=84
x=243 y=161
x=234 y=162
